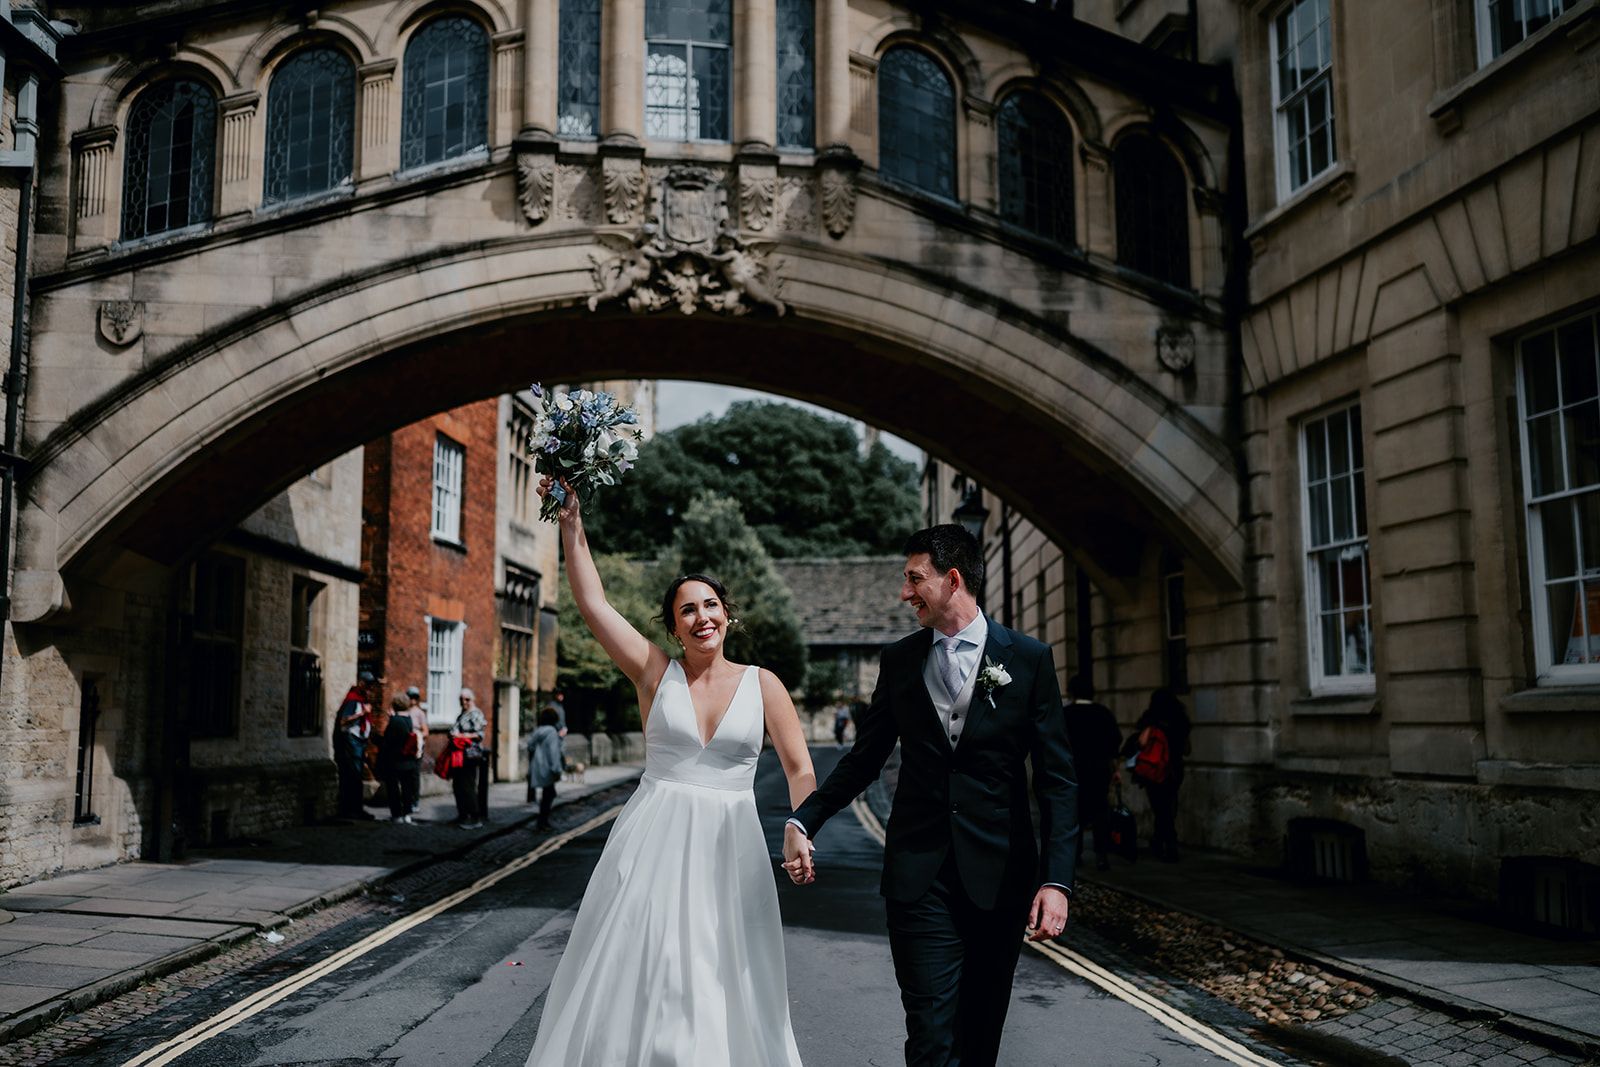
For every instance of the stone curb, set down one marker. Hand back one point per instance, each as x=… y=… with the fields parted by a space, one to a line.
x=41 y=1015
x=1560 y=1037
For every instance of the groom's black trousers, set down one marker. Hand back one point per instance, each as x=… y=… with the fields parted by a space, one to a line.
x=954 y=962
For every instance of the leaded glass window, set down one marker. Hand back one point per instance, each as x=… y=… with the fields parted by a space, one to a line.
x=1559 y=387
x=310 y=124
x=1302 y=87
x=172 y=139
x=1036 y=166
x=688 y=70
x=578 y=86
x=1152 y=209
x=445 y=110
x=797 y=79
x=916 y=122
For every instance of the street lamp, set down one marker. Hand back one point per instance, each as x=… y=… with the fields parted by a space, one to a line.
x=971 y=513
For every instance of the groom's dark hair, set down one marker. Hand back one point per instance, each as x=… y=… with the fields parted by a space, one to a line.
x=951 y=547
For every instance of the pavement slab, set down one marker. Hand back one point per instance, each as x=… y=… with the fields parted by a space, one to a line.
x=139 y=920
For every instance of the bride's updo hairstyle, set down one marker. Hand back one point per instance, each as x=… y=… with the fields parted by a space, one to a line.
x=669 y=618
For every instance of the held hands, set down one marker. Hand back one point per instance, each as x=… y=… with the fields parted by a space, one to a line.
x=798 y=854
x=1048 y=916
x=569 y=512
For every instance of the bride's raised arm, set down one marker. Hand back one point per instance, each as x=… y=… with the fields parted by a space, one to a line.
x=634 y=654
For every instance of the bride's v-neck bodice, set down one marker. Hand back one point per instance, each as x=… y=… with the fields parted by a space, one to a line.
x=672 y=747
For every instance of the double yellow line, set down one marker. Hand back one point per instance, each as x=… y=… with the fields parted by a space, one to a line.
x=1185 y=1026
x=263 y=999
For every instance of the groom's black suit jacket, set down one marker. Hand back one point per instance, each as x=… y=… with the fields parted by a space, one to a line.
x=971 y=800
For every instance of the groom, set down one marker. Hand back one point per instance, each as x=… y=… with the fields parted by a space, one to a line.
x=969 y=701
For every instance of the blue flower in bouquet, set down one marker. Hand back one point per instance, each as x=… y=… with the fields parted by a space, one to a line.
x=581 y=438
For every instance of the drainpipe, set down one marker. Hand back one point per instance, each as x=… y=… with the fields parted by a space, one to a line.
x=22 y=159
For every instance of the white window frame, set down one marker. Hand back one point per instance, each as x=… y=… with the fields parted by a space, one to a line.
x=1322 y=683
x=1281 y=106
x=446 y=638
x=1485 y=25
x=449 y=472
x=1549 y=671
x=520 y=477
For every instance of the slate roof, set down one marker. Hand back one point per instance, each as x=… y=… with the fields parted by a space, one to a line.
x=854 y=600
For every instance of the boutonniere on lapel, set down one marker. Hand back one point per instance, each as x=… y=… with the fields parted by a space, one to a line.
x=992 y=677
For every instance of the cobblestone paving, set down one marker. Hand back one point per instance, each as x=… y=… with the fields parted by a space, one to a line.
x=1314 y=1013
x=256 y=962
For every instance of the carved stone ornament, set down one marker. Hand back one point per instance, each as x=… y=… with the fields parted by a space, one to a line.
x=623 y=181
x=121 y=321
x=838 y=200
x=757 y=194
x=688 y=255
x=536 y=179
x=1175 y=348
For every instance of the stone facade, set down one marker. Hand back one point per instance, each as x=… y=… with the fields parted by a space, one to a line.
x=1457 y=216
x=1140 y=433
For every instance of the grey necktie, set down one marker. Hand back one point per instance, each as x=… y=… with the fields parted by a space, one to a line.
x=949 y=669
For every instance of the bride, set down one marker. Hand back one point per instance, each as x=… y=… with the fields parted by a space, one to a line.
x=676 y=956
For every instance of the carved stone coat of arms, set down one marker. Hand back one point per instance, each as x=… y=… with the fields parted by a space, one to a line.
x=688 y=254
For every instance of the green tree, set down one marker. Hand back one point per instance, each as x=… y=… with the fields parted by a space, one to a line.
x=713 y=538
x=801 y=478
x=582 y=666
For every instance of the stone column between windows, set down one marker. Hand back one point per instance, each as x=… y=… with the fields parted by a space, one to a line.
x=1099 y=212
x=976 y=149
x=622 y=51
x=380 y=147
x=755 y=65
x=508 y=74
x=94 y=189
x=241 y=178
x=1210 y=208
x=541 y=63
x=833 y=73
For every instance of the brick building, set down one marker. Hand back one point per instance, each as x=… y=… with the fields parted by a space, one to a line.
x=428 y=543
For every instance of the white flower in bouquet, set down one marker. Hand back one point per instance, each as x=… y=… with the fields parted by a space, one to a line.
x=583 y=438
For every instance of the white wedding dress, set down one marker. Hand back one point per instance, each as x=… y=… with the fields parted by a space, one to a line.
x=676 y=956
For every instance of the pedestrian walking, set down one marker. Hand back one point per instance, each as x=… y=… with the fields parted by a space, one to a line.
x=557 y=704
x=1156 y=754
x=351 y=727
x=419 y=718
x=1095 y=738
x=400 y=760
x=841 y=722
x=545 y=763
x=468 y=732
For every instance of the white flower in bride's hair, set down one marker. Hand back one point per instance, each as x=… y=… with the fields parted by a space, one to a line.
x=993 y=676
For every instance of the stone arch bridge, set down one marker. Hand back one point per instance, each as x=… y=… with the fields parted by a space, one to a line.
x=176 y=381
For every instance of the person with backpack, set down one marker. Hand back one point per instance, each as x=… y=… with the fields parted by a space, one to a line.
x=1093 y=733
x=400 y=760
x=545 y=761
x=1157 y=748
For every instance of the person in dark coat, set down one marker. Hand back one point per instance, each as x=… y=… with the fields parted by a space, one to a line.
x=544 y=763
x=400 y=760
x=1093 y=733
x=1167 y=714
x=352 y=726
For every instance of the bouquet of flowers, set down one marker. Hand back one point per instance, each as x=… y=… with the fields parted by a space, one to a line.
x=584 y=438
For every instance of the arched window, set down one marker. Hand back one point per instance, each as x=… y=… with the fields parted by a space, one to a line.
x=1036 y=166
x=172 y=139
x=797 y=79
x=916 y=122
x=445 y=110
x=1152 y=209
x=687 y=69
x=578 y=77
x=310 y=124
